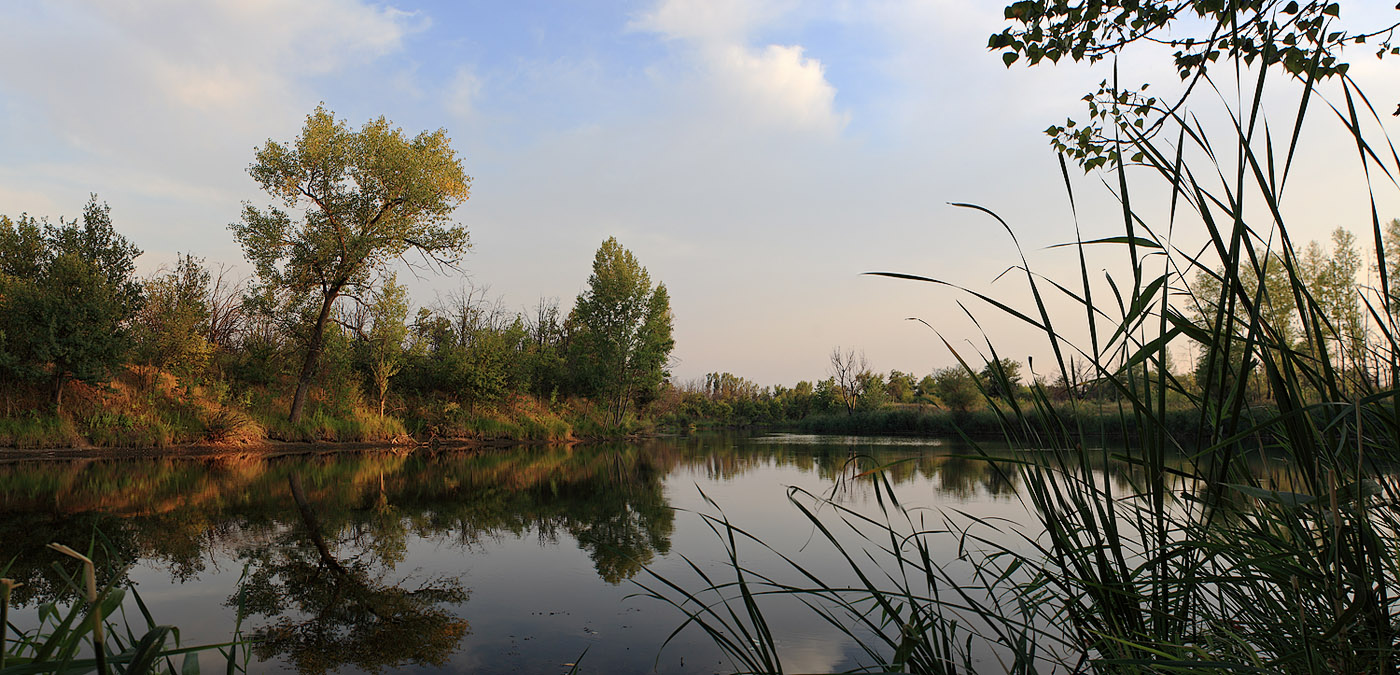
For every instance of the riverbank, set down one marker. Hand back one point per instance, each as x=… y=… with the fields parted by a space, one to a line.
x=142 y=412
x=1108 y=420
x=1099 y=419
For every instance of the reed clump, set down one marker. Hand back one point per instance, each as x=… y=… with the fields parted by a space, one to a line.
x=1203 y=563
x=86 y=637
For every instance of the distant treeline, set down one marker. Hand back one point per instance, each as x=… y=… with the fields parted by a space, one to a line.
x=962 y=399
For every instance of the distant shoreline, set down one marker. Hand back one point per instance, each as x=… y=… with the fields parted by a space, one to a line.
x=265 y=448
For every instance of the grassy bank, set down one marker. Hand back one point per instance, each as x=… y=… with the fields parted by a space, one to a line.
x=147 y=409
x=138 y=409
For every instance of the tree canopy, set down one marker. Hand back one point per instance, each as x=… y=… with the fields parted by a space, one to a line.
x=1301 y=37
x=66 y=295
x=367 y=198
x=621 y=330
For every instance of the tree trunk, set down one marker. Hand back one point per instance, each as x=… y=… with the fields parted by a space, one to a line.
x=313 y=354
x=313 y=526
x=58 y=381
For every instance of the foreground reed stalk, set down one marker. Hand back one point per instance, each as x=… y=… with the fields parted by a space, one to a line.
x=57 y=644
x=99 y=640
x=7 y=586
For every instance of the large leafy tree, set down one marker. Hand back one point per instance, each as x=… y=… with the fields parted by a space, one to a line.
x=366 y=198
x=621 y=331
x=67 y=295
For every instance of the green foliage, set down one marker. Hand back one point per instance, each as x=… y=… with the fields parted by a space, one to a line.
x=23 y=247
x=955 y=388
x=545 y=366
x=384 y=346
x=1304 y=40
x=900 y=387
x=1272 y=287
x=369 y=197
x=95 y=241
x=926 y=391
x=169 y=331
x=1001 y=377
x=872 y=393
x=620 y=331
x=1333 y=285
x=66 y=295
x=338 y=383
x=324 y=424
x=470 y=351
x=36 y=430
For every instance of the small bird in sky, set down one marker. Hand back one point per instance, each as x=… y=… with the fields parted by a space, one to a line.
x=1397 y=111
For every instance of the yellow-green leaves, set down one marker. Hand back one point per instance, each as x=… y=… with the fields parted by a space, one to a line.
x=365 y=198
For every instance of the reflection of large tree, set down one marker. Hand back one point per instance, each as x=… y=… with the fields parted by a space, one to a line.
x=623 y=521
x=328 y=611
x=175 y=511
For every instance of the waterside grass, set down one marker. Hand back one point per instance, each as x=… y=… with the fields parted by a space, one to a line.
x=143 y=408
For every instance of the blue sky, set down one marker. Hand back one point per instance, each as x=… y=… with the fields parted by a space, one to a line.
x=755 y=155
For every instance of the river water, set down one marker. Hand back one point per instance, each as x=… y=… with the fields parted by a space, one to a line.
x=486 y=560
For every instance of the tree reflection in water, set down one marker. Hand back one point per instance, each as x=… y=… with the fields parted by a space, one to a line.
x=324 y=588
x=347 y=601
x=327 y=612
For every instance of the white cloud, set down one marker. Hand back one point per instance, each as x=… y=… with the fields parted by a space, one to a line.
x=306 y=36
x=160 y=81
x=160 y=102
x=780 y=86
x=462 y=92
x=771 y=86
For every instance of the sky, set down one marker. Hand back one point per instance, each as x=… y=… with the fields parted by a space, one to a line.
x=756 y=156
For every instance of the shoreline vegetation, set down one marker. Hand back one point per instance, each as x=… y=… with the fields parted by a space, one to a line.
x=133 y=413
x=319 y=342
x=146 y=409
x=327 y=346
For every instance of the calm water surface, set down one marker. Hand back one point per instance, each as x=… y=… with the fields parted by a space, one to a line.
x=516 y=560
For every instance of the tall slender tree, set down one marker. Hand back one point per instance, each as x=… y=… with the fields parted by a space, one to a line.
x=621 y=331
x=385 y=341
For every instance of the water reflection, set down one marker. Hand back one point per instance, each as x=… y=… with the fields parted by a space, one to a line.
x=608 y=498
x=176 y=511
x=333 y=576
